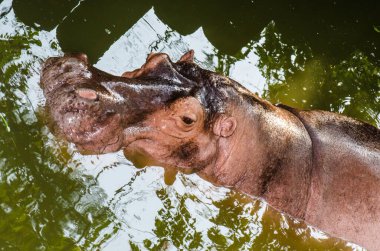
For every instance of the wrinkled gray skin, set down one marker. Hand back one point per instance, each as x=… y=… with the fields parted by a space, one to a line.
x=314 y=165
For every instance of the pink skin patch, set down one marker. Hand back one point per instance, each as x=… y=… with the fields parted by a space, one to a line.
x=87 y=94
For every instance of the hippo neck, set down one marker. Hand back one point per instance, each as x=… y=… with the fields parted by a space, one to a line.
x=269 y=156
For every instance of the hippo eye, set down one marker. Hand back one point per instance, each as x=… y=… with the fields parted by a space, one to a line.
x=187 y=120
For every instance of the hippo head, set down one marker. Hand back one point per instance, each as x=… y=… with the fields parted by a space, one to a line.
x=165 y=113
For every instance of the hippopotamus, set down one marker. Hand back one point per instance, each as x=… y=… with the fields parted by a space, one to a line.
x=317 y=166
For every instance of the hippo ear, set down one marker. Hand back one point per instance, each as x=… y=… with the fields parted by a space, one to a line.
x=133 y=74
x=187 y=57
x=224 y=126
x=156 y=65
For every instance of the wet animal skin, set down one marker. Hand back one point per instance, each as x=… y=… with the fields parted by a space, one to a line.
x=314 y=165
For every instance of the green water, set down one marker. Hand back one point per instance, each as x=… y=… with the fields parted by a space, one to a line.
x=321 y=55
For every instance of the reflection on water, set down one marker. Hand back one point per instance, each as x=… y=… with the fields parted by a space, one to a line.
x=300 y=79
x=239 y=224
x=53 y=198
x=45 y=201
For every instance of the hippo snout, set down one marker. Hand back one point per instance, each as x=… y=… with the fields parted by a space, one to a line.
x=69 y=69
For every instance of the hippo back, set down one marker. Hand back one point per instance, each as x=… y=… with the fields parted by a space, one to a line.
x=345 y=184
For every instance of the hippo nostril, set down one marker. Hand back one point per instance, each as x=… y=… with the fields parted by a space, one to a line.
x=87 y=94
x=82 y=57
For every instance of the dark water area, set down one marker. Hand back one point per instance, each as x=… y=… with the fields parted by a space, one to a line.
x=310 y=55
